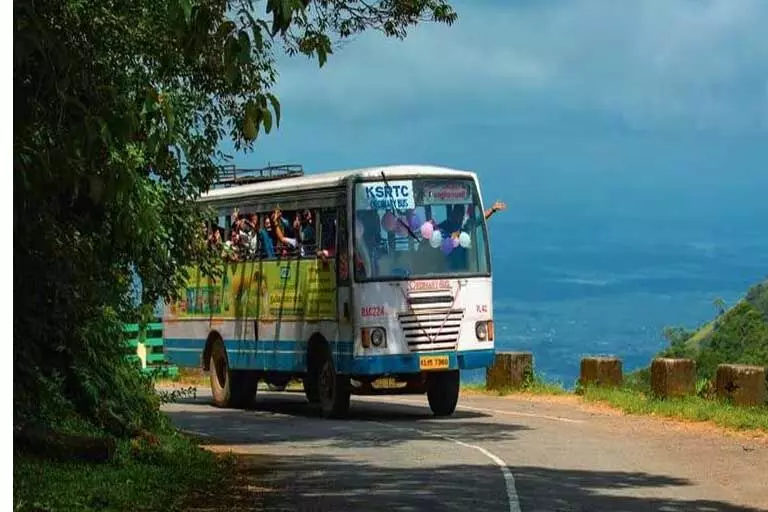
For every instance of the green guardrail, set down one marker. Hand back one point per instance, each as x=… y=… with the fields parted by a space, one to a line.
x=145 y=347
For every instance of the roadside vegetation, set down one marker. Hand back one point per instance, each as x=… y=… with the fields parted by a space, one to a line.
x=692 y=408
x=121 y=111
x=737 y=335
x=156 y=472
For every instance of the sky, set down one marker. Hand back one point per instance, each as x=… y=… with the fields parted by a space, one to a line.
x=644 y=111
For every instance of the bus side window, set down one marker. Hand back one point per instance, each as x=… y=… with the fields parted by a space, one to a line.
x=328 y=230
x=342 y=261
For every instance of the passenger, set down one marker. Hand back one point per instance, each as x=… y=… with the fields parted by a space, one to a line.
x=214 y=235
x=251 y=229
x=266 y=238
x=304 y=230
x=238 y=235
x=279 y=225
x=453 y=224
x=498 y=206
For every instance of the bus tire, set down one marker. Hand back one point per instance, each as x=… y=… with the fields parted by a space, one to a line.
x=334 y=389
x=443 y=392
x=230 y=388
x=309 y=383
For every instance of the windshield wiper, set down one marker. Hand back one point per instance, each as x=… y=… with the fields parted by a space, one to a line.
x=397 y=212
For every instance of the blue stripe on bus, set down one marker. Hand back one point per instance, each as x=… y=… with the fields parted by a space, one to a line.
x=275 y=355
x=290 y=356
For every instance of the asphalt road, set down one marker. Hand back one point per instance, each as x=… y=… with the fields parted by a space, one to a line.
x=494 y=454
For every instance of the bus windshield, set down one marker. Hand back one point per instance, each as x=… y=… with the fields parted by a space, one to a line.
x=419 y=228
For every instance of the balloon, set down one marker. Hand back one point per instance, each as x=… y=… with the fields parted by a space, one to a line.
x=359 y=229
x=415 y=222
x=446 y=246
x=436 y=239
x=427 y=230
x=388 y=222
x=455 y=241
x=464 y=239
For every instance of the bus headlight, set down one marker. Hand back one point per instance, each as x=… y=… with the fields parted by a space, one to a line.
x=375 y=336
x=484 y=330
x=481 y=331
x=378 y=337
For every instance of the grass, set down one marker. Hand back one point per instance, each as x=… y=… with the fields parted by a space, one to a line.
x=142 y=476
x=534 y=384
x=187 y=376
x=634 y=398
x=691 y=408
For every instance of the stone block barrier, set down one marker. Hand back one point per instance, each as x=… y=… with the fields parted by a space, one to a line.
x=740 y=383
x=510 y=370
x=601 y=371
x=673 y=377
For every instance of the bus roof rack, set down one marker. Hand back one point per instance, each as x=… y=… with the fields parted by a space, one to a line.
x=230 y=176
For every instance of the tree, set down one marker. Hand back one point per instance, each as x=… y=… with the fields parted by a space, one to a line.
x=741 y=337
x=677 y=338
x=119 y=110
x=719 y=305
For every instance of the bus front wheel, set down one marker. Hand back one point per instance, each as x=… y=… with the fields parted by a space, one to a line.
x=334 y=389
x=443 y=392
x=230 y=388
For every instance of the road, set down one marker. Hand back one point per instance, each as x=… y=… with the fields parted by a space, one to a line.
x=494 y=454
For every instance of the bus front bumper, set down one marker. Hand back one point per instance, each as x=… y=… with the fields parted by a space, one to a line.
x=418 y=362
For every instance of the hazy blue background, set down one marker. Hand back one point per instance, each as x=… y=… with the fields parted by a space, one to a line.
x=629 y=139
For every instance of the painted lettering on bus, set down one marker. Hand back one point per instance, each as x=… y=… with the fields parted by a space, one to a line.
x=372 y=311
x=482 y=308
x=383 y=191
x=442 y=284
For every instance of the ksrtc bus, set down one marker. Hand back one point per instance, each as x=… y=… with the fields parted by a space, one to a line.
x=344 y=281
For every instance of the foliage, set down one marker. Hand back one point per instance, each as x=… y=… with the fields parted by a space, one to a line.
x=176 y=395
x=533 y=382
x=119 y=110
x=757 y=296
x=677 y=337
x=738 y=335
x=145 y=475
x=741 y=337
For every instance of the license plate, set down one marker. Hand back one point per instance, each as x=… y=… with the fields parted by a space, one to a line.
x=427 y=363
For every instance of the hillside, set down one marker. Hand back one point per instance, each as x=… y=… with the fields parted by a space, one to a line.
x=737 y=335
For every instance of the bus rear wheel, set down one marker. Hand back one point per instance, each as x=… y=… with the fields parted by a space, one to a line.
x=443 y=392
x=334 y=389
x=230 y=388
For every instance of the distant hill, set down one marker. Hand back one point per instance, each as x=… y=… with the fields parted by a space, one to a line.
x=736 y=335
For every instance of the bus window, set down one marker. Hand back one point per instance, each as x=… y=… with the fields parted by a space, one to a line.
x=328 y=230
x=434 y=229
x=342 y=260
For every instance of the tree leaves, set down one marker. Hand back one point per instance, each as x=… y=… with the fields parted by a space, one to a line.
x=275 y=106
x=186 y=7
x=121 y=109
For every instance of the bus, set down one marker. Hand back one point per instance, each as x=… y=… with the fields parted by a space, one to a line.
x=343 y=281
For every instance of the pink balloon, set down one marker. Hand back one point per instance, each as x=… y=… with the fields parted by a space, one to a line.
x=455 y=241
x=427 y=229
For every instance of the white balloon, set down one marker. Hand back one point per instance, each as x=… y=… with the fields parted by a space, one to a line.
x=436 y=240
x=464 y=240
